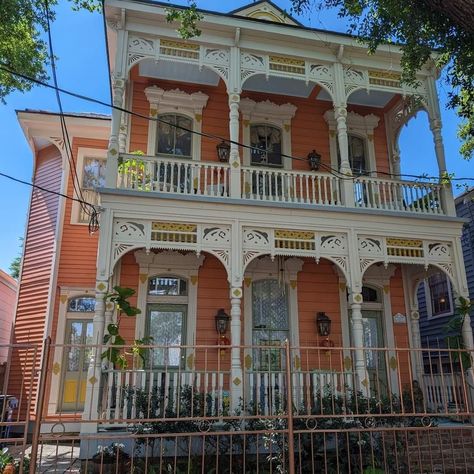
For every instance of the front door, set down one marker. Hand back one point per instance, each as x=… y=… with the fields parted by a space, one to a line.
x=76 y=360
x=375 y=360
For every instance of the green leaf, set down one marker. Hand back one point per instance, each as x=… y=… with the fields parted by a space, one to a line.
x=113 y=329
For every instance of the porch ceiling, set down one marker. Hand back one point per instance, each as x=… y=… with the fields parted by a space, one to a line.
x=361 y=97
x=279 y=85
x=176 y=71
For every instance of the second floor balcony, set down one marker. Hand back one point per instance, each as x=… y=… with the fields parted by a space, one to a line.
x=207 y=179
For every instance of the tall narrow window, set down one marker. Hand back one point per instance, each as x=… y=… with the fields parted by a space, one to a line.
x=357 y=154
x=266 y=143
x=93 y=177
x=166 y=319
x=174 y=136
x=270 y=323
x=439 y=294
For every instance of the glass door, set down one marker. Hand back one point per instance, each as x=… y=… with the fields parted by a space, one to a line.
x=375 y=360
x=76 y=360
x=167 y=325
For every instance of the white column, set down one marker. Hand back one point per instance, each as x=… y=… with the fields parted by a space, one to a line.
x=91 y=404
x=435 y=126
x=416 y=342
x=234 y=159
x=357 y=329
x=236 y=365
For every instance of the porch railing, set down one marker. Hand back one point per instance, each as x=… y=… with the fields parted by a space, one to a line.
x=173 y=176
x=211 y=179
x=392 y=195
x=290 y=186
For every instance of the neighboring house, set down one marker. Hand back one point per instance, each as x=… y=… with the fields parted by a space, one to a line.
x=8 y=288
x=227 y=244
x=436 y=300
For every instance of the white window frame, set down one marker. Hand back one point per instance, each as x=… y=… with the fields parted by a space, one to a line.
x=180 y=103
x=429 y=306
x=267 y=113
x=358 y=125
x=82 y=154
x=65 y=295
x=173 y=264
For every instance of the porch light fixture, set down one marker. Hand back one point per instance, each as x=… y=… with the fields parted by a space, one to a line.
x=223 y=151
x=324 y=324
x=222 y=322
x=314 y=160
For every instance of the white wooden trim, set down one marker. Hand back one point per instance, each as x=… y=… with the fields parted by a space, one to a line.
x=171 y=264
x=267 y=113
x=65 y=294
x=175 y=102
x=82 y=153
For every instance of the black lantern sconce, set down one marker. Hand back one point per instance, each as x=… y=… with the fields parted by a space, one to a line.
x=222 y=322
x=314 y=160
x=223 y=151
x=324 y=324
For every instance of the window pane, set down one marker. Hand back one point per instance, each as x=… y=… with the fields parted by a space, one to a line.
x=268 y=140
x=94 y=173
x=369 y=295
x=166 y=326
x=172 y=140
x=74 y=353
x=167 y=286
x=83 y=304
x=439 y=291
x=357 y=154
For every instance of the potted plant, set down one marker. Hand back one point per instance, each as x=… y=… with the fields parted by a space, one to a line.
x=110 y=459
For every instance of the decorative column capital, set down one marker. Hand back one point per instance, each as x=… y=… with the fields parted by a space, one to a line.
x=356 y=299
x=234 y=98
x=340 y=112
x=415 y=315
x=236 y=292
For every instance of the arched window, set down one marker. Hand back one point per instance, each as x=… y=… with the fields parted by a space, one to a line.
x=267 y=139
x=81 y=304
x=167 y=311
x=370 y=295
x=172 y=140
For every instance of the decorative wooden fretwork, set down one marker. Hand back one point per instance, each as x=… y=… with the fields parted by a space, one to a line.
x=173 y=232
x=404 y=247
x=287 y=64
x=179 y=49
x=295 y=240
x=383 y=78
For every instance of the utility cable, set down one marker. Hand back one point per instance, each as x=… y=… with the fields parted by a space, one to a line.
x=331 y=170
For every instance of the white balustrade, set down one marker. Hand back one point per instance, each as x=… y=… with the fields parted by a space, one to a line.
x=173 y=176
x=135 y=394
x=385 y=194
x=445 y=392
x=266 y=184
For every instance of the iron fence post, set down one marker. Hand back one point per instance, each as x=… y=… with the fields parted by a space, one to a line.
x=289 y=409
x=39 y=404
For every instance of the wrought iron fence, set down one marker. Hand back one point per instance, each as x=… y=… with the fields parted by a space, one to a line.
x=300 y=410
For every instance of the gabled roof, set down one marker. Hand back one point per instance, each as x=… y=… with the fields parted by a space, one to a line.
x=265 y=10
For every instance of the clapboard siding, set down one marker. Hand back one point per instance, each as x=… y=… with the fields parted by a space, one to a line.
x=433 y=330
x=37 y=264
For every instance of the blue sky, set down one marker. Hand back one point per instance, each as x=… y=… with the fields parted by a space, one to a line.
x=79 y=44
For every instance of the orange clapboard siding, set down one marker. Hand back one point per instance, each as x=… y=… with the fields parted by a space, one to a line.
x=34 y=291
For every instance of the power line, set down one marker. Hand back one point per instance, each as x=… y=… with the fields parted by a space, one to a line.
x=331 y=170
x=50 y=191
x=92 y=214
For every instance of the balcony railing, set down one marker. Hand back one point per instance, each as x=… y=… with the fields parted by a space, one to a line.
x=211 y=179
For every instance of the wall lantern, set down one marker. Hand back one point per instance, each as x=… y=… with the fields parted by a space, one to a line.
x=314 y=160
x=223 y=151
x=222 y=322
x=324 y=324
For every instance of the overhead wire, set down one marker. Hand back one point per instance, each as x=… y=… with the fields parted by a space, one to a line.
x=90 y=212
x=330 y=169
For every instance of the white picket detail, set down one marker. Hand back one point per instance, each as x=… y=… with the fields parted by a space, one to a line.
x=410 y=196
x=265 y=184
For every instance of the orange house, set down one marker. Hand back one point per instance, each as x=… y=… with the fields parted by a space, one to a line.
x=257 y=172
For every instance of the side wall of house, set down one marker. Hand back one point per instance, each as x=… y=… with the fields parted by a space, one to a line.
x=34 y=287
